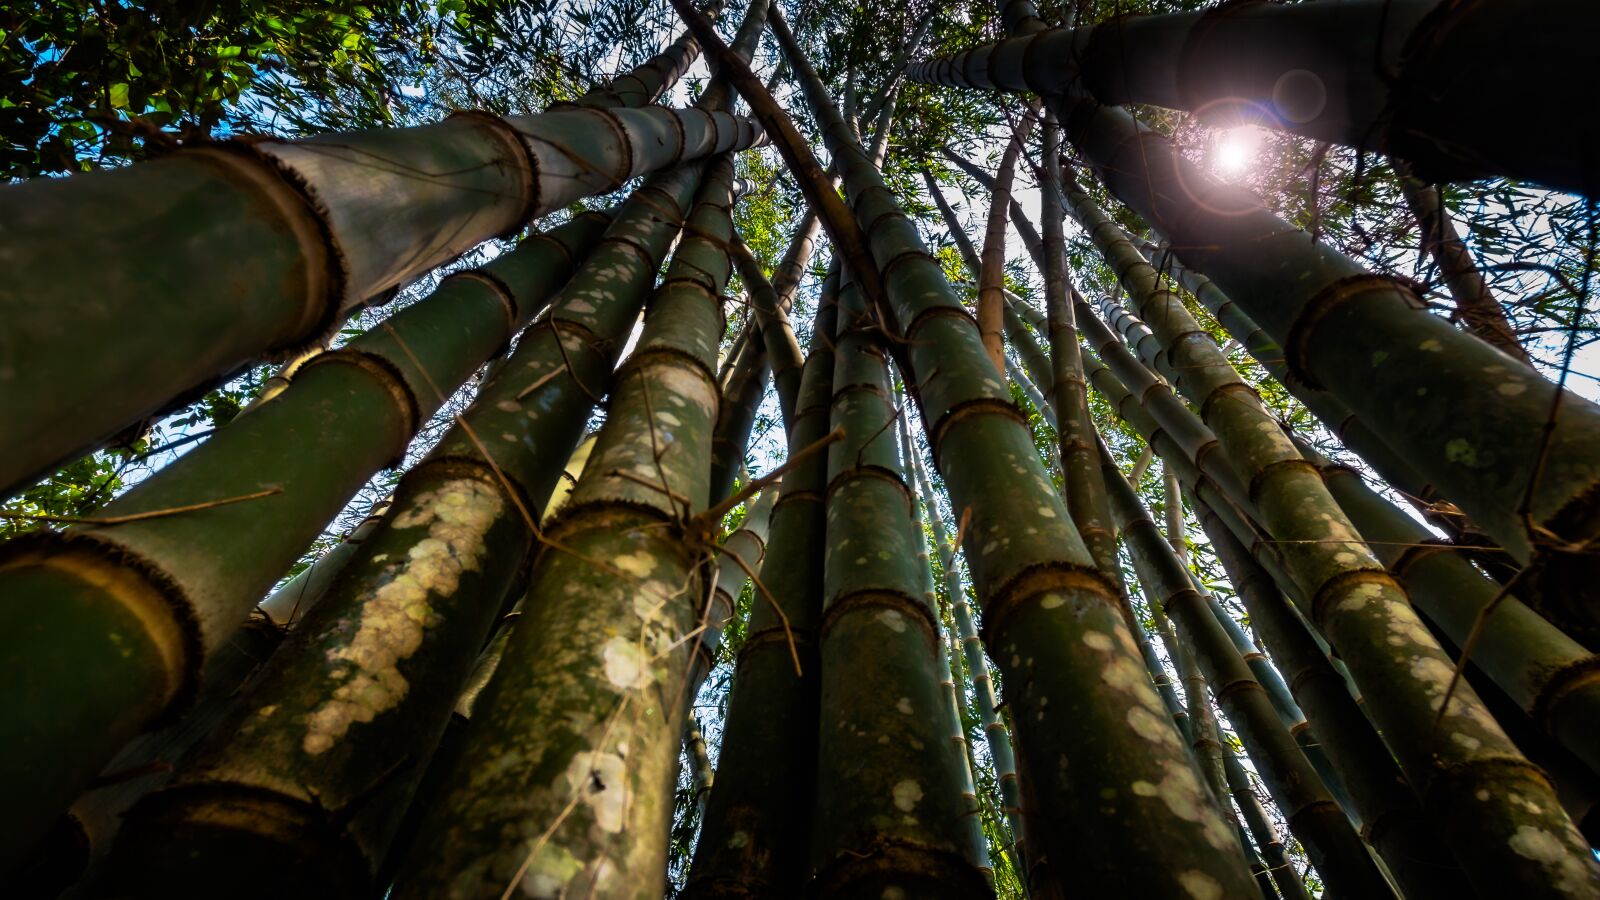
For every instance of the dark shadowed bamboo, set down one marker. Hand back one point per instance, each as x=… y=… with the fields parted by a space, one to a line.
x=1367 y=339
x=134 y=609
x=1476 y=306
x=1454 y=757
x=366 y=688
x=743 y=382
x=1365 y=73
x=753 y=840
x=1280 y=866
x=1041 y=592
x=952 y=684
x=1307 y=805
x=257 y=248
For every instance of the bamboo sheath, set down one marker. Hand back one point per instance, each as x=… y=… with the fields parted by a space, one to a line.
x=1041 y=594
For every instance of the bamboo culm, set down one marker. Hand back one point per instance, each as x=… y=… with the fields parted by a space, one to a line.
x=1042 y=593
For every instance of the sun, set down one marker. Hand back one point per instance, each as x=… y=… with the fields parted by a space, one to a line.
x=1235 y=150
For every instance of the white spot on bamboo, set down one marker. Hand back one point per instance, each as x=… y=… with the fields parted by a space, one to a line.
x=907 y=793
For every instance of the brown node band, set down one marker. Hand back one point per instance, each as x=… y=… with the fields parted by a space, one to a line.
x=137 y=585
x=389 y=376
x=844 y=604
x=1297 y=346
x=983 y=406
x=774 y=638
x=1329 y=590
x=1580 y=674
x=1042 y=578
x=1258 y=481
x=327 y=274
x=877 y=473
x=1455 y=781
x=507 y=133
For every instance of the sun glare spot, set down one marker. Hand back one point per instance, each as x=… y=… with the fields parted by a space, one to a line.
x=1234 y=151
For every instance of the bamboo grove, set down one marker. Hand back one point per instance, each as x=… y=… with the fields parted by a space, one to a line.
x=1224 y=565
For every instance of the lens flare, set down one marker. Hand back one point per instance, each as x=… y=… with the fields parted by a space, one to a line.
x=1235 y=150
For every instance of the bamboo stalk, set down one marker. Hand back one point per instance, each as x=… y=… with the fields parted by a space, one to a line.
x=1040 y=593
x=137 y=608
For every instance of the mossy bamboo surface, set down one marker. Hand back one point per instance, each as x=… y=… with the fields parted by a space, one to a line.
x=1311 y=811
x=356 y=695
x=1368 y=340
x=573 y=745
x=1382 y=800
x=1089 y=749
x=754 y=837
x=136 y=607
x=1366 y=74
x=1551 y=677
x=1453 y=758
x=948 y=667
x=256 y=248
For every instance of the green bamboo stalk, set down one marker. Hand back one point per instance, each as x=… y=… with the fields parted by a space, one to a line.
x=949 y=667
x=1041 y=592
x=287 y=605
x=574 y=744
x=1522 y=466
x=1358 y=606
x=135 y=608
x=1313 y=814
x=1551 y=677
x=701 y=775
x=570 y=473
x=1366 y=74
x=743 y=383
x=756 y=827
x=308 y=768
x=749 y=544
x=329 y=744
x=1476 y=306
x=1280 y=867
x=258 y=247
x=890 y=809
x=782 y=347
x=994 y=728
x=1388 y=811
